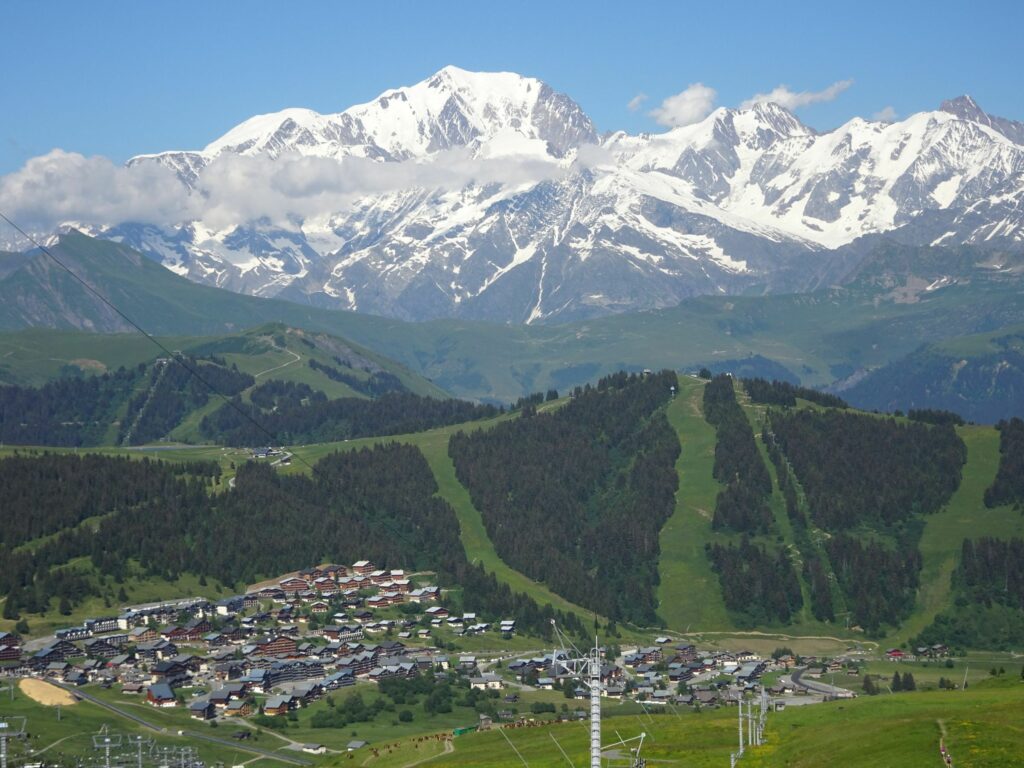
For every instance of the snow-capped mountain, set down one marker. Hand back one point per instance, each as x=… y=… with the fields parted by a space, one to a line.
x=491 y=196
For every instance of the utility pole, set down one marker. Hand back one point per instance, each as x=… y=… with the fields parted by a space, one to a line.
x=10 y=728
x=106 y=741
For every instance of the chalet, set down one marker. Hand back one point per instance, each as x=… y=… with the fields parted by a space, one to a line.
x=486 y=682
x=142 y=635
x=157 y=649
x=280 y=645
x=227 y=693
x=73 y=633
x=99 y=648
x=271 y=593
x=341 y=679
x=405 y=669
x=334 y=571
x=161 y=695
x=293 y=585
x=202 y=709
x=706 y=698
x=10 y=652
x=240 y=708
x=230 y=605
x=363 y=568
x=343 y=632
x=326 y=587
x=101 y=625
x=895 y=654
x=256 y=680
x=424 y=594
x=319 y=606
x=314 y=749
x=279 y=705
x=61 y=650
x=436 y=612
x=10 y=639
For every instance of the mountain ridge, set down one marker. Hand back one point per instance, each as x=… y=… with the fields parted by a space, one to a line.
x=491 y=196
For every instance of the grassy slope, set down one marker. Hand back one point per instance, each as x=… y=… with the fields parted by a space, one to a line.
x=71 y=736
x=478 y=545
x=982 y=727
x=688 y=594
x=965 y=516
x=139 y=590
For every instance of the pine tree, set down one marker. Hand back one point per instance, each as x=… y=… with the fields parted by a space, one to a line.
x=897 y=683
x=908 y=682
x=869 y=686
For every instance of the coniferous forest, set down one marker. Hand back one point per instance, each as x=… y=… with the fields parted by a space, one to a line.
x=131 y=406
x=742 y=505
x=858 y=469
x=297 y=414
x=576 y=497
x=988 y=589
x=758 y=584
x=1008 y=487
x=159 y=517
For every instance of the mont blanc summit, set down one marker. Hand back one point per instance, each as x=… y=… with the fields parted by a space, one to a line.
x=492 y=196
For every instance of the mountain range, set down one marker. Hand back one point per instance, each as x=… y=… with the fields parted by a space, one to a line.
x=491 y=196
x=860 y=336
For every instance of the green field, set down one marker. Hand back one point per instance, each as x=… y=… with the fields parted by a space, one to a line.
x=70 y=737
x=688 y=595
x=982 y=729
x=478 y=545
x=965 y=516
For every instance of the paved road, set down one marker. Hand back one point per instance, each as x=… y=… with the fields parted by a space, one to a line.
x=816 y=686
x=241 y=746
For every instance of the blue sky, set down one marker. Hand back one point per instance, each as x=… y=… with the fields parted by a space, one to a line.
x=118 y=79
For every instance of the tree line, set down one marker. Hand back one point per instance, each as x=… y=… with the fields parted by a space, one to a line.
x=297 y=414
x=576 y=497
x=879 y=582
x=759 y=584
x=377 y=503
x=988 y=598
x=815 y=570
x=785 y=394
x=172 y=391
x=136 y=405
x=376 y=384
x=863 y=470
x=1008 y=487
x=742 y=505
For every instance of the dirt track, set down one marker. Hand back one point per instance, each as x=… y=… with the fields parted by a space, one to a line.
x=44 y=693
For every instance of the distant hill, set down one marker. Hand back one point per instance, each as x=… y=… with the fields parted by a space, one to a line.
x=85 y=402
x=897 y=301
x=981 y=377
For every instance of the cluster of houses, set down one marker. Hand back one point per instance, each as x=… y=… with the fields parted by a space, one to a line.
x=293 y=641
x=653 y=674
x=936 y=651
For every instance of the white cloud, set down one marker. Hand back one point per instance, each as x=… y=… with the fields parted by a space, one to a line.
x=784 y=97
x=885 y=115
x=690 y=106
x=65 y=187
x=68 y=187
x=636 y=102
